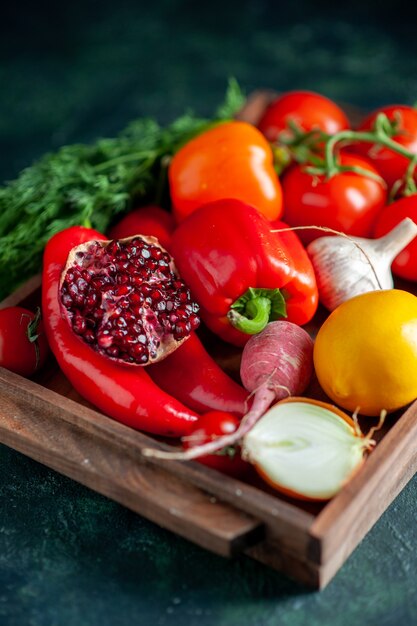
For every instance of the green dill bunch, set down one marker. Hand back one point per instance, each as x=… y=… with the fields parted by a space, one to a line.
x=90 y=185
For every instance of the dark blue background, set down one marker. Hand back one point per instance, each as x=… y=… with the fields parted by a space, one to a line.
x=73 y=71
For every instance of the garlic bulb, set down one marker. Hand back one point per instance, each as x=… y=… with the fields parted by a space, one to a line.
x=342 y=269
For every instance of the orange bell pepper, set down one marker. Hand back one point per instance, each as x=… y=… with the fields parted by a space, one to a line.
x=231 y=160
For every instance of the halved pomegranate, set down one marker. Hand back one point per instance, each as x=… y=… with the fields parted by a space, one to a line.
x=125 y=298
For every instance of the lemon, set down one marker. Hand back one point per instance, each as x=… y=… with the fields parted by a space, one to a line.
x=365 y=353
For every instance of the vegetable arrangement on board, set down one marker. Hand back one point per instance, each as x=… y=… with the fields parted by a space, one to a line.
x=200 y=242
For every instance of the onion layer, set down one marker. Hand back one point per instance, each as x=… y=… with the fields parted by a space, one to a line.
x=305 y=448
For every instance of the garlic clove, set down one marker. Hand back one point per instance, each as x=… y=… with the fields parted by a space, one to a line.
x=349 y=266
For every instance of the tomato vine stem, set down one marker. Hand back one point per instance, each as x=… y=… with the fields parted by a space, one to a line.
x=304 y=148
x=381 y=134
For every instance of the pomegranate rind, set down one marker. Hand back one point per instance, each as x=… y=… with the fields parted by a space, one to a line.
x=169 y=343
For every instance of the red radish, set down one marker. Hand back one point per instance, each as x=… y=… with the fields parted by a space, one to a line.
x=276 y=363
x=278 y=359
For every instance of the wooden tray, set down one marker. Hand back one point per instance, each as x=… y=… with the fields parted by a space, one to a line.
x=49 y=422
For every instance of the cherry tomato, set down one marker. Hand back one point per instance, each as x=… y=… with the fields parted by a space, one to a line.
x=23 y=345
x=392 y=166
x=210 y=426
x=231 y=160
x=405 y=264
x=308 y=110
x=347 y=202
x=148 y=220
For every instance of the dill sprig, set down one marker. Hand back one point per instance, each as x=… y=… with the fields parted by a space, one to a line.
x=90 y=185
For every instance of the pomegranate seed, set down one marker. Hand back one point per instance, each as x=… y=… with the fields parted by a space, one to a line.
x=137 y=310
x=137 y=350
x=156 y=295
x=82 y=284
x=66 y=300
x=104 y=341
x=194 y=321
x=89 y=336
x=135 y=298
x=73 y=290
x=113 y=249
x=91 y=300
x=79 y=326
x=164 y=269
x=180 y=329
x=183 y=295
x=122 y=279
x=121 y=291
x=156 y=253
x=129 y=316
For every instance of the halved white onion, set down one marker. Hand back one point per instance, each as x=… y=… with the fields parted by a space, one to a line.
x=305 y=449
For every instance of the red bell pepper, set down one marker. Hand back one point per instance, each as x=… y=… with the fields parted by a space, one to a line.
x=127 y=394
x=242 y=274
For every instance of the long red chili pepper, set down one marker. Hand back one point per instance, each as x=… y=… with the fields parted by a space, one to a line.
x=193 y=377
x=126 y=394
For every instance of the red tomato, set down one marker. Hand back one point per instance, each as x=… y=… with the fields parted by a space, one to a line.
x=310 y=111
x=392 y=166
x=347 y=202
x=405 y=264
x=147 y=220
x=210 y=426
x=23 y=346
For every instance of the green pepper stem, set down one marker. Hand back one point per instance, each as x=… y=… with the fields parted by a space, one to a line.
x=259 y=311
